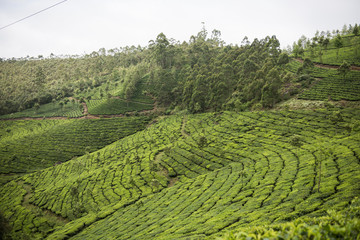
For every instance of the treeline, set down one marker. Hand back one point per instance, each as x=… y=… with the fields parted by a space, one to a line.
x=205 y=74
x=199 y=75
x=27 y=81
x=318 y=45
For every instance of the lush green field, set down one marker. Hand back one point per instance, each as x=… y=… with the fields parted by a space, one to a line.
x=331 y=85
x=30 y=145
x=195 y=176
x=71 y=109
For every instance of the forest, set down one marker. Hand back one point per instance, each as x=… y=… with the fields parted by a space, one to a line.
x=184 y=140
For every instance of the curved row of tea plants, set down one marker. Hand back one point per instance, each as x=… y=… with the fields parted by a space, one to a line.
x=264 y=179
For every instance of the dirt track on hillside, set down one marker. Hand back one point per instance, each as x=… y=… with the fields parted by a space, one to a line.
x=329 y=66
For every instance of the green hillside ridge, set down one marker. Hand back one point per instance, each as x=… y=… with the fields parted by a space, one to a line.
x=191 y=140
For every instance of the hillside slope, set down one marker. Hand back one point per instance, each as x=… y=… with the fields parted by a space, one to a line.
x=75 y=162
x=229 y=169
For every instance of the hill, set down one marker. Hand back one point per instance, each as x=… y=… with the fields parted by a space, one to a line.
x=192 y=140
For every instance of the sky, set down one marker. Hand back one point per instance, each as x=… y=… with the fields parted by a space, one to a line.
x=77 y=27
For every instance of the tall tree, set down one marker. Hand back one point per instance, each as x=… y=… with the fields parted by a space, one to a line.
x=356 y=30
x=344 y=68
x=338 y=44
x=160 y=50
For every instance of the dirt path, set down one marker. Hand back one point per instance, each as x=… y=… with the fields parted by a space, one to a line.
x=183 y=131
x=329 y=66
x=85 y=107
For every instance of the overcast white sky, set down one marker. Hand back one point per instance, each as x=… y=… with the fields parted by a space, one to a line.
x=82 y=26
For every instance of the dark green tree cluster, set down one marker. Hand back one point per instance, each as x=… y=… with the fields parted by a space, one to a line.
x=26 y=82
x=204 y=74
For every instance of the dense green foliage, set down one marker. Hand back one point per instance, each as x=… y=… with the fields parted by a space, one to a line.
x=230 y=170
x=27 y=81
x=206 y=75
x=199 y=75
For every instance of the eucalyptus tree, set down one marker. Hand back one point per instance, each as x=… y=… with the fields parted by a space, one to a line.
x=338 y=44
x=344 y=68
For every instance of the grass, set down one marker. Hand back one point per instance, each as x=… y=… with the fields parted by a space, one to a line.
x=231 y=170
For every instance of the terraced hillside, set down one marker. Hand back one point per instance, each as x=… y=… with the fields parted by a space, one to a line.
x=195 y=176
x=330 y=84
x=30 y=145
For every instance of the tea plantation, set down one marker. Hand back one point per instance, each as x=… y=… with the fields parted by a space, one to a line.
x=71 y=109
x=34 y=144
x=331 y=85
x=195 y=177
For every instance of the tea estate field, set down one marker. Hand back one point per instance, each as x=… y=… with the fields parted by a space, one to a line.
x=195 y=177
